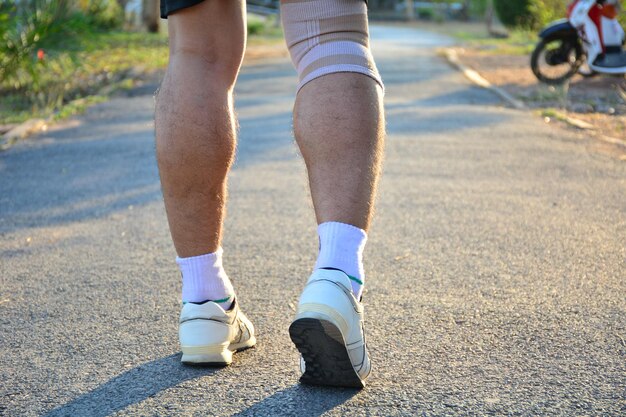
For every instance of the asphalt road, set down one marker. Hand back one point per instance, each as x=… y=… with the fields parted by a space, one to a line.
x=496 y=264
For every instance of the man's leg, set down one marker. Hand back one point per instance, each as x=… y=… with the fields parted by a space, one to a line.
x=195 y=141
x=195 y=123
x=339 y=127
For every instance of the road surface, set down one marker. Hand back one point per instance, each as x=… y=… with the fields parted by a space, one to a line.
x=496 y=263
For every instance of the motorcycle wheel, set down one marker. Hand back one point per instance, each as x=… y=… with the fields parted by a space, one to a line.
x=555 y=60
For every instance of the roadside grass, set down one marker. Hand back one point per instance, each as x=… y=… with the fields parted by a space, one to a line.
x=549 y=94
x=504 y=62
x=263 y=30
x=103 y=64
x=552 y=113
x=474 y=35
x=519 y=42
x=69 y=81
x=78 y=106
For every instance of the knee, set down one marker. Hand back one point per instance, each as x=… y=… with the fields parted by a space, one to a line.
x=339 y=42
x=215 y=63
x=208 y=39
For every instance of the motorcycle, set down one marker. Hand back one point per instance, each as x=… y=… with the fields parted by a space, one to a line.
x=589 y=35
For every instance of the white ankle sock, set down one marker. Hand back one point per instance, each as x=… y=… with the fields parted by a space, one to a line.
x=204 y=279
x=341 y=247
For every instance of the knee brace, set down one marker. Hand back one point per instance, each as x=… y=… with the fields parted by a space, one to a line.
x=327 y=36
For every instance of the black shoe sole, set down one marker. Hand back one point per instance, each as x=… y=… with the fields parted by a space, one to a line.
x=324 y=351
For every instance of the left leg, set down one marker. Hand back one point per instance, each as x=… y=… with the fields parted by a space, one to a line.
x=195 y=141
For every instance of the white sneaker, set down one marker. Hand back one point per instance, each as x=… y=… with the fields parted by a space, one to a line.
x=328 y=332
x=210 y=335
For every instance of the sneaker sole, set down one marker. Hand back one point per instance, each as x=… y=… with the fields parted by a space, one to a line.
x=324 y=351
x=209 y=356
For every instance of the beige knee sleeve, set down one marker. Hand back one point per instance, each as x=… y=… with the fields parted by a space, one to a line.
x=328 y=36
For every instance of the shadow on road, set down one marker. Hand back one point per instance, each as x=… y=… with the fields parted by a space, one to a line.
x=455 y=97
x=75 y=180
x=147 y=380
x=403 y=121
x=131 y=387
x=300 y=400
x=91 y=171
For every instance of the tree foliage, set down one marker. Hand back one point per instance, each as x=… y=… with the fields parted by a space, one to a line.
x=39 y=40
x=31 y=25
x=102 y=14
x=529 y=14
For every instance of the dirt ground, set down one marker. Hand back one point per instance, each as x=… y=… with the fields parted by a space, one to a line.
x=599 y=100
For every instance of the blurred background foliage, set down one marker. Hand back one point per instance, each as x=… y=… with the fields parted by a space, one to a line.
x=529 y=14
x=518 y=14
x=43 y=45
x=54 y=52
x=56 y=56
x=533 y=14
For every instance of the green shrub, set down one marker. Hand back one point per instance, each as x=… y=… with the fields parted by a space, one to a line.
x=477 y=8
x=51 y=25
x=255 y=27
x=264 y=26
x=529 y=14
x=102 y=14
x=39 y=40
x=545 y=11
x=513 y=13
x=27 y=27
x=425 y=13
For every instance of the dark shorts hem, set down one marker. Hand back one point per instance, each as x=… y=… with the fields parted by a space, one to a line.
x=170 y=6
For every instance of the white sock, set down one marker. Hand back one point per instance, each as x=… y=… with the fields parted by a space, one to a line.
x=341 y=247
x=204 y=279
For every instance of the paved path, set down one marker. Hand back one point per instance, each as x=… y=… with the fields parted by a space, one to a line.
x=496 y=262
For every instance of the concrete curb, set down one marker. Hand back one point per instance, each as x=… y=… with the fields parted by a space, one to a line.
x=476 y=78
x=22 y=131
x=614 y=141
x=472 y=75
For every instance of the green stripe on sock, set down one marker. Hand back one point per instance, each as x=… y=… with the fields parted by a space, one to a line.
x=355 y=279
x=223 y=300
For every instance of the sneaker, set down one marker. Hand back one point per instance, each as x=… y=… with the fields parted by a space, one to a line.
x=209 y=335
x=328 y=332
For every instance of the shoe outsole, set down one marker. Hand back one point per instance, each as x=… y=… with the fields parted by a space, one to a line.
x=324 y=351
x=205 y=364
x=217 y=360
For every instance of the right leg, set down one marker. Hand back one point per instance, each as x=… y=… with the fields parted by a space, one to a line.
x=339 y=127
x=195 y=142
